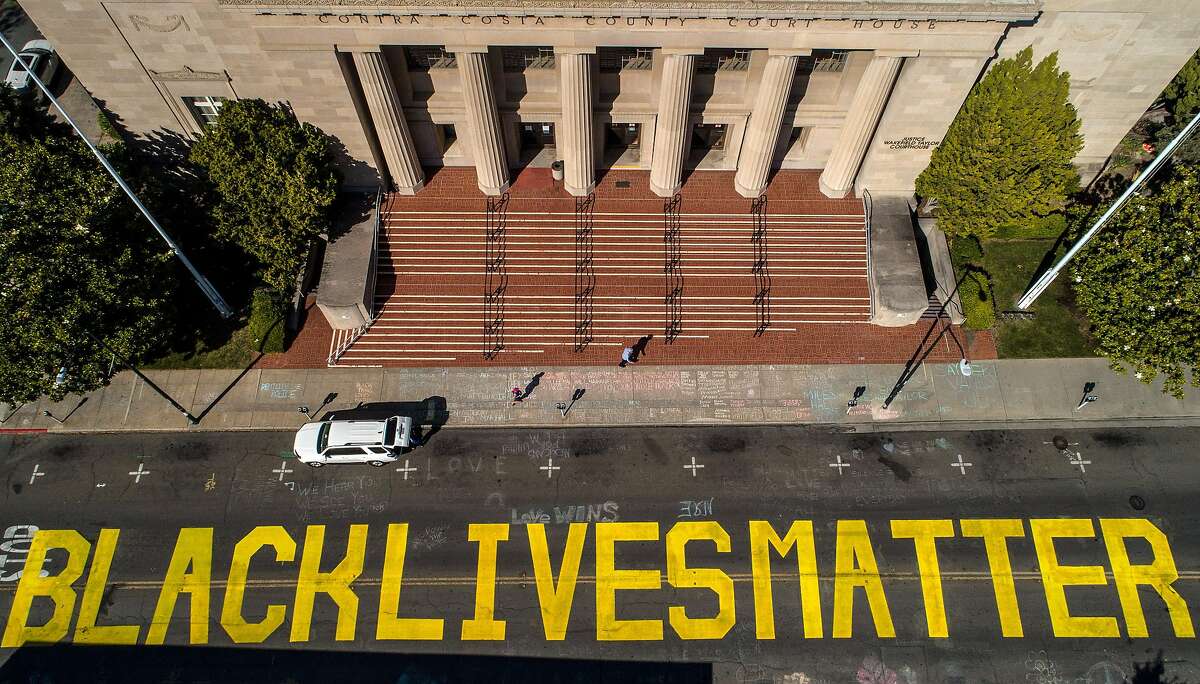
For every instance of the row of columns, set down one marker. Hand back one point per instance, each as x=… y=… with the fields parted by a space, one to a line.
x=670 y=149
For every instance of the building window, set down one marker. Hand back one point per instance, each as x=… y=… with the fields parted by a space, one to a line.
x=796 y=140
x=706 y=137
x=613 y=60
x=449 y=136
x=205 y=109
x=830 y=61
x=426 y=57
x=715 y=60
x=518 y=59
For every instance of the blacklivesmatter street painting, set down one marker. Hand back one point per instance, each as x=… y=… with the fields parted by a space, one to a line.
x=690 y=569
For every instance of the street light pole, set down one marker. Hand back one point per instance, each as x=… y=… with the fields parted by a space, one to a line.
x=205 y=285
x=1048 y=277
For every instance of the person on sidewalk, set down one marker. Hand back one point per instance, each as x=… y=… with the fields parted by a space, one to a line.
x=518 y=395
x=626 y=357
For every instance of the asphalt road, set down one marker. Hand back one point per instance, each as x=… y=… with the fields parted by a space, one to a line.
x=605 y=481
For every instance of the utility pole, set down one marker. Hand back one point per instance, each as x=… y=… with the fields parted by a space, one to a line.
x=1048 y=277
x=205 y=285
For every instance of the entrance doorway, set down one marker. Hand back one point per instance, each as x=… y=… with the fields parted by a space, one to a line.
x=536 y=141
x=622 y=144
x=707 y=145
x=707 y=138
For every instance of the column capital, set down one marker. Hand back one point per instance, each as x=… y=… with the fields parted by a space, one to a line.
x=789 y=52
x=575 y=50
x=682 y=50
x=459 y=49
x=897 y=52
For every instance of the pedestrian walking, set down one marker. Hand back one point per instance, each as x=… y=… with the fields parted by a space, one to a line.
x=518 y=395
x=626 y=357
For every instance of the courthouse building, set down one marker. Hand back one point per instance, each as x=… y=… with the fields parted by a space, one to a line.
x=669 y=126
x=861 y=91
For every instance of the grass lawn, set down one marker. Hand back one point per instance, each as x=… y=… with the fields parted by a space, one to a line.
x=1057 y=330
x=236 y=352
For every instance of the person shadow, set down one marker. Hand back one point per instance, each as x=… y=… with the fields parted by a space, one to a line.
x=532 y=385
x=639 y=347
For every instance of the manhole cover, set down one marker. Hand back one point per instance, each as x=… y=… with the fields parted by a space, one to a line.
x=1137 y=502
x=622 y=184
x=1060 y=442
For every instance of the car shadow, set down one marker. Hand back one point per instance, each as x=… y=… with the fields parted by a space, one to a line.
x=430 y=413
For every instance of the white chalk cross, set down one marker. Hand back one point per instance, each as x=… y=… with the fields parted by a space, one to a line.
x=839 y=465
x=1077 y=460
x=406 y=470
x=549 y=467
x=961 y=465
x=36 y=473
x=137 y=474
x=694 y=466
x=282 y=470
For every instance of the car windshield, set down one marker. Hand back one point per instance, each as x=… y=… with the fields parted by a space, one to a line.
x=389 y=435
x=323 y=437
x=18 y=66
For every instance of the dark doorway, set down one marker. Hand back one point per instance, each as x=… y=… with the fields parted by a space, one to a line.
x=622 y=143
x=535 y=139
x=707 y=139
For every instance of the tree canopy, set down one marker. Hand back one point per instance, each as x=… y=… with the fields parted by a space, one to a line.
x=1136 y=282
x=274 y=181
x=1182 y=94
x=80 y=270
x=1006 y=158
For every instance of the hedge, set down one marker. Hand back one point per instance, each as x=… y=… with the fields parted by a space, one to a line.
x=266 y=324
x=978 y=307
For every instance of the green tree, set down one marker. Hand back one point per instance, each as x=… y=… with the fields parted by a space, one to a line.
x=274 y=181
x=83 y=275
x=1006 y=159
x=1136 y=282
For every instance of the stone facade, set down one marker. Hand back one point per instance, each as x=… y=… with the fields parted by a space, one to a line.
x=483 y=83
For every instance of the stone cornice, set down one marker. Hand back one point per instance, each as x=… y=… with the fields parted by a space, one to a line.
x=985 y=10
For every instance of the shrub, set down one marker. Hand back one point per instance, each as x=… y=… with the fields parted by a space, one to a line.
x=965 y=249
x=1049 y=227
x=978 y=307
x=266 y=324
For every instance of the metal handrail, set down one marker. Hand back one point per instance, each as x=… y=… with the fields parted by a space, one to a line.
x=868 y=206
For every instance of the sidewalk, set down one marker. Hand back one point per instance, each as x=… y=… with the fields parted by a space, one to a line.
x=1004 y=392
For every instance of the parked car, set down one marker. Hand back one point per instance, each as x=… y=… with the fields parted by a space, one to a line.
x=377 y=442
x=41 y=58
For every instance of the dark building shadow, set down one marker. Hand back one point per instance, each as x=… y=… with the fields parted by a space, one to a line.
x=184 y=665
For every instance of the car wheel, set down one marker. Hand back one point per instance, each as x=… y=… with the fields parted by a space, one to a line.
x=315 y=464
x=377 y=464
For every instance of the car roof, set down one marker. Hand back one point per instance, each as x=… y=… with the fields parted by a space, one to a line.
x=347 y=432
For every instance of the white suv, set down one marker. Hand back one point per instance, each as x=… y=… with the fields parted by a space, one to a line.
x=377 y=442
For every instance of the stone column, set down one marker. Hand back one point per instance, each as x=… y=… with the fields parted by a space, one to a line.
x=762 y=133
x=491 y=165
x=575 y=139
x=869 y=101
x=390 y=127
x=671 y=128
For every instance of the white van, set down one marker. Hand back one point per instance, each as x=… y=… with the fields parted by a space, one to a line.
x=377 y=442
